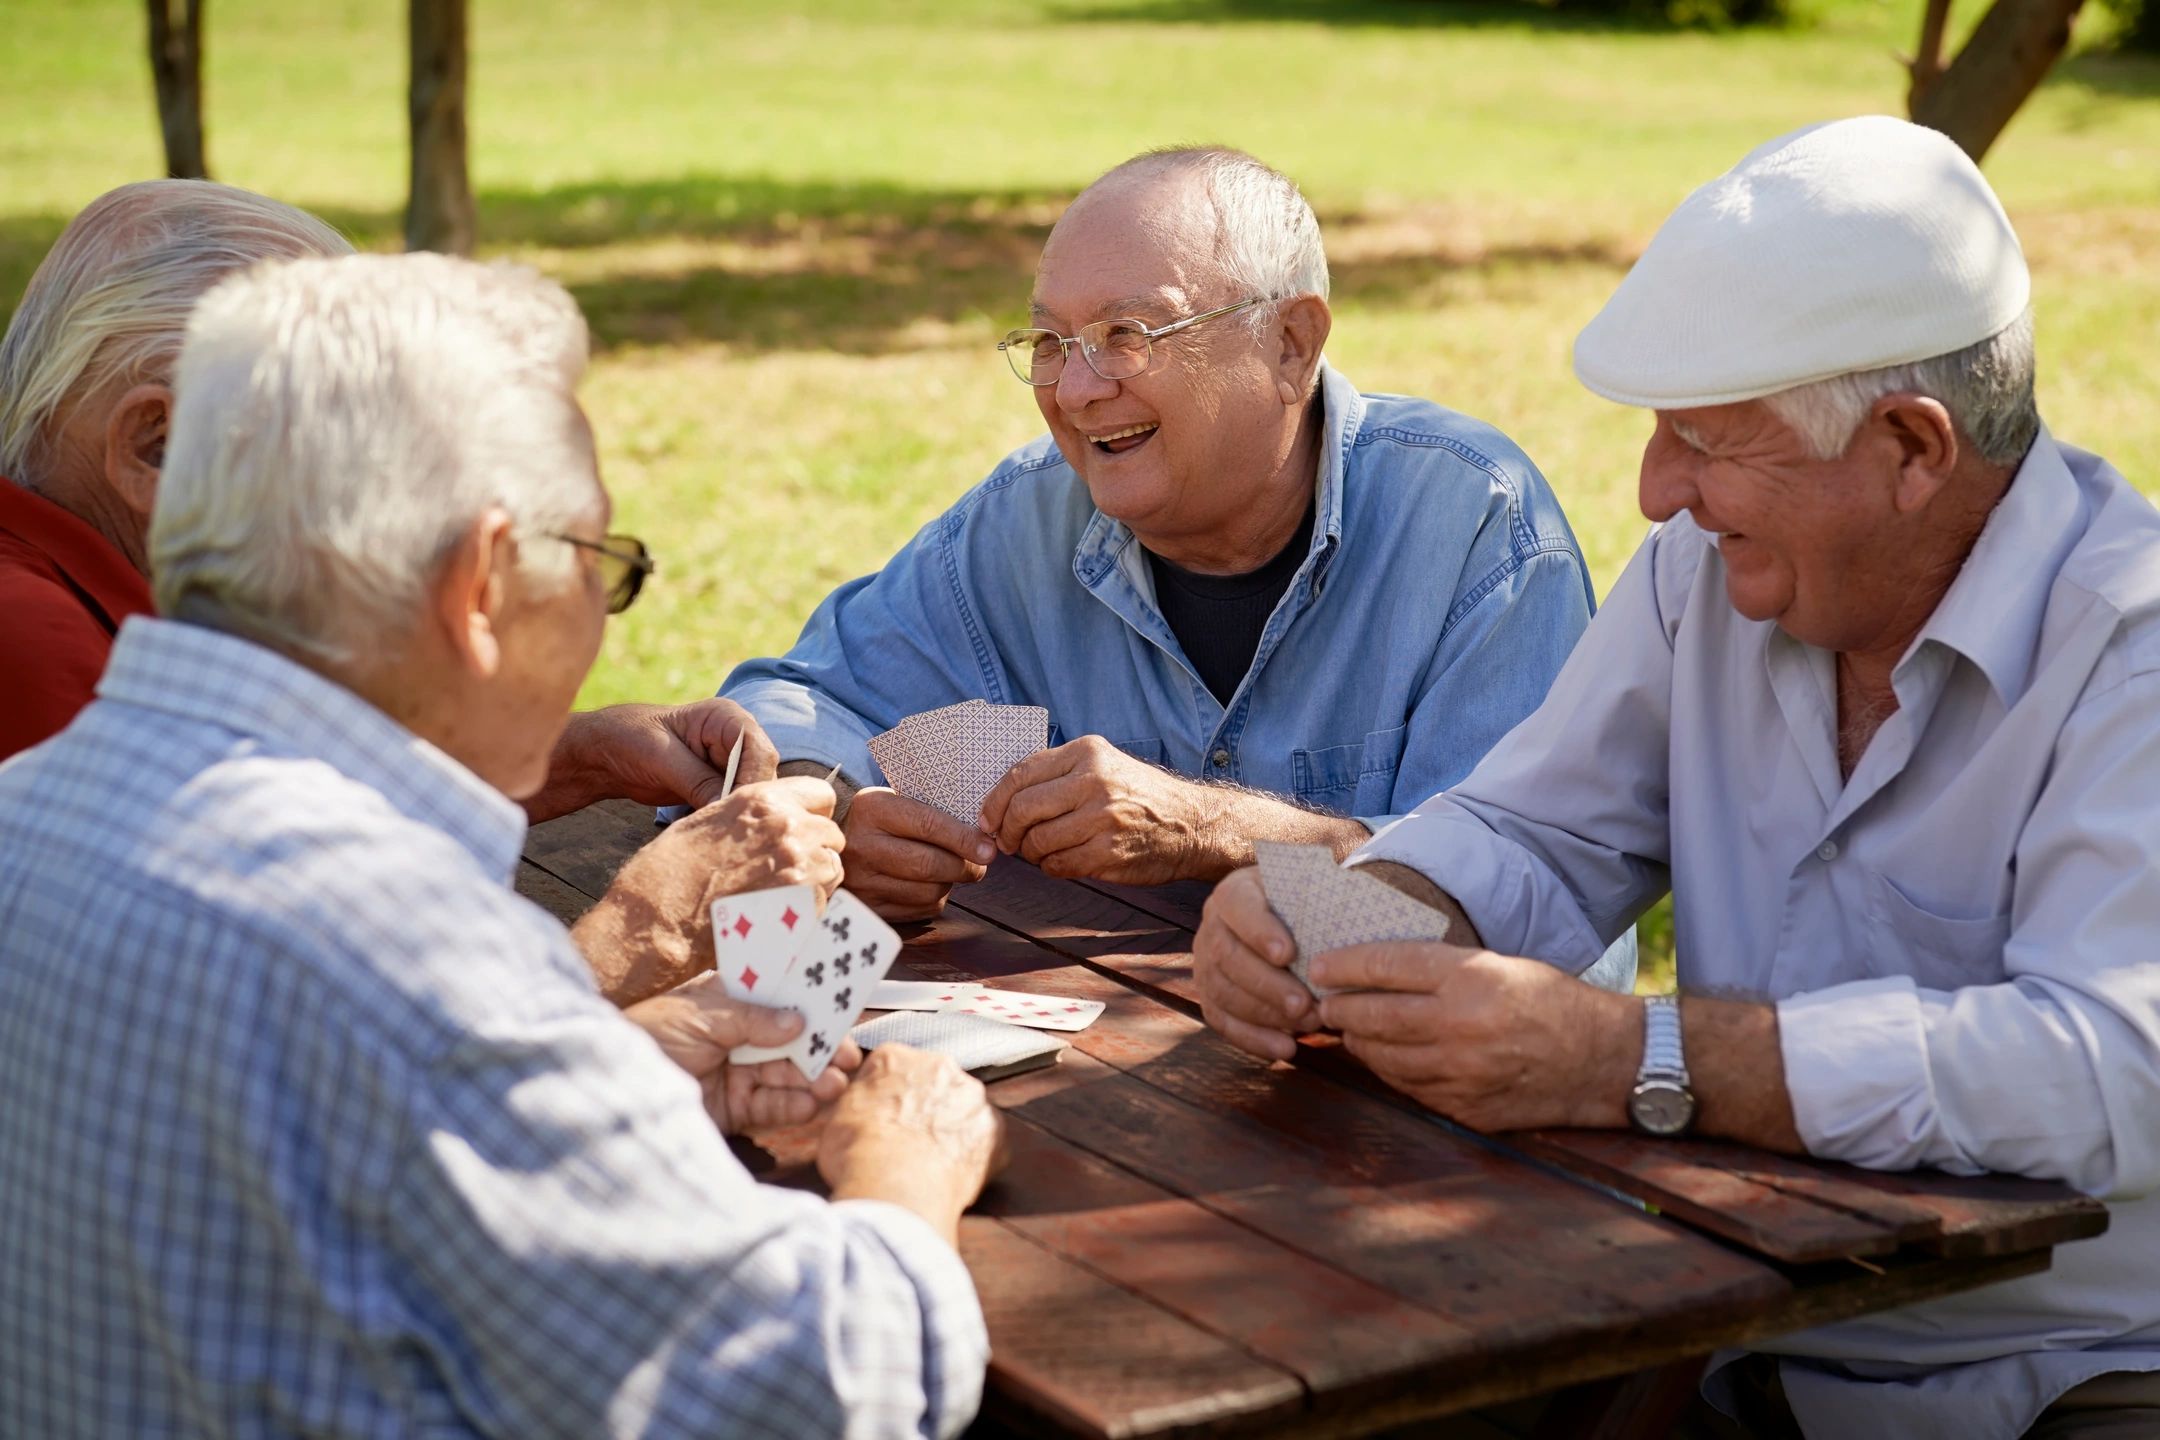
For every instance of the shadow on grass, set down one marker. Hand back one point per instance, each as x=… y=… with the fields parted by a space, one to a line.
x=1378 y=14
x=876 y=268
x=2119 y=72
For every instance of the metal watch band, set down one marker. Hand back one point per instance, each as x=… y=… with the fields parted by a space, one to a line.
x=1663 y=1057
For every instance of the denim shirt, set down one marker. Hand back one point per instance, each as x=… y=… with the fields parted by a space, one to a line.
x=1441 y=593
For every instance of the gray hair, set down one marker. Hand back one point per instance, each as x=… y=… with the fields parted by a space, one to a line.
x=109 y=302
x=1267 y=240
x=1987 y=388
x=340 y=423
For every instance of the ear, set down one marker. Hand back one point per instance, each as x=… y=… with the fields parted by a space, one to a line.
x=470 y=589
x=1305 y=325
x=135 y=445
x=1926 y=444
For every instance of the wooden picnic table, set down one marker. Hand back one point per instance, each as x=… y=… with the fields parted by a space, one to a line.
x=1189 y=1240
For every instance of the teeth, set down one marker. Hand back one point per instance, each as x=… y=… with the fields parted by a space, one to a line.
x=1120 y=434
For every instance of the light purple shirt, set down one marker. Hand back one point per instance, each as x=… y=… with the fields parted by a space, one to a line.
x=1960 y=937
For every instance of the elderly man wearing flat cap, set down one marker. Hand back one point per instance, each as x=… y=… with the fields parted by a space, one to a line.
x=1876 y=702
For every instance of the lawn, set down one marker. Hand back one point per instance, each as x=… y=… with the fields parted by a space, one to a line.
x=796 y=230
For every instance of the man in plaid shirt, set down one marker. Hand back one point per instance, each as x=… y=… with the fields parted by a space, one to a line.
x=312 y=1126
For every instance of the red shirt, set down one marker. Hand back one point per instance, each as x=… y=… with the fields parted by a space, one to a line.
x=63 y=592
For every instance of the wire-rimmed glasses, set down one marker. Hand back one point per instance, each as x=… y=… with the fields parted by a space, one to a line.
x=1113 y=349
x=623 y=561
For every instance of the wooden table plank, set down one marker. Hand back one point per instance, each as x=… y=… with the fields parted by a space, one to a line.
x=1748 y=1195
x=585 y=848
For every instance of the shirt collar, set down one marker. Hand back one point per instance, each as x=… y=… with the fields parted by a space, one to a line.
x=90 y=561
x=1342 y=410
x=1992 y=612
x=238 y=685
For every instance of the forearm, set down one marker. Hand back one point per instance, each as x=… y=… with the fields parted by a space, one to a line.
x=574 y=778
x=900 y=1178
x=1737 y=1071
x=1233 y=818
x=631 y=959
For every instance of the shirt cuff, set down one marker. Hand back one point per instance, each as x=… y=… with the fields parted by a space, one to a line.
x=956 y=1338
x=1856 y=1068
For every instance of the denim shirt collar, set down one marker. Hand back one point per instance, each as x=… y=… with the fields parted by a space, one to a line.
x=1108 y=545
x=223 y=680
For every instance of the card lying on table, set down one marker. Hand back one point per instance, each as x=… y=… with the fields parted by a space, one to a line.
x=972 y=997
x=772 y=948
x=1329 y=908
x=954 y=757
x=986 y=1049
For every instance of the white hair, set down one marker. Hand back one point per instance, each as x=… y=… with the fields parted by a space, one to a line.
x=1267 y=240
x=1987 y=388
x=108 y=304
x=341 y=423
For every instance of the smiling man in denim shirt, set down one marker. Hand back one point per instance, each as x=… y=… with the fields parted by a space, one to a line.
x=1256 y=603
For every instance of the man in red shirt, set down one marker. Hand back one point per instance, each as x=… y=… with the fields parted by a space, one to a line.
x=83 y=409
x=84 y=405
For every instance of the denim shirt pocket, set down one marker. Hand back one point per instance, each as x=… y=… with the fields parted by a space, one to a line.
x=1150 y=749
x=1350 y=779
x=1938 y=951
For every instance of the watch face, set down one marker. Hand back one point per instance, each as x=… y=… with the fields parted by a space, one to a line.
x=1661 y=1107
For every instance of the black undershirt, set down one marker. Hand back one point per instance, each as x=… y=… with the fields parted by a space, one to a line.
x=1218 y=618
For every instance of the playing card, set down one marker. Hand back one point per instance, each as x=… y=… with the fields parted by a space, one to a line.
x=848 y=951
x=984 y=1048
x=1327 y=907
x=756 y=937
x=1037 y=1012
x=921 y=994
x=954 y=756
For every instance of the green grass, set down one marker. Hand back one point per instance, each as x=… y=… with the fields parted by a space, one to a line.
x=795 y=234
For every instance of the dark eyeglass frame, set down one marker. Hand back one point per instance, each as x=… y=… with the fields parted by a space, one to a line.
x=624 y=563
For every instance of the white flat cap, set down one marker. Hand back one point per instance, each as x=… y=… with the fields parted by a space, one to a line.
x=1841 y=247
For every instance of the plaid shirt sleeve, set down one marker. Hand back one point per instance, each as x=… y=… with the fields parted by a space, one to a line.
x=592 y=1259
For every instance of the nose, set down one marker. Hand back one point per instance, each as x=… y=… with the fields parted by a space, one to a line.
x=1079 y=386
x=1667 y=484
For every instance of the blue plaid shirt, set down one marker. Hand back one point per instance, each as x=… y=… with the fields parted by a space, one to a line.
x=309 y=1125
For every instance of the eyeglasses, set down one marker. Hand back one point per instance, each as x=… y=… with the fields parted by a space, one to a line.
x=1113 y=349
x=624 y=563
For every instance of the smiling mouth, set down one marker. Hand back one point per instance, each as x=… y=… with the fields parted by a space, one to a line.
x=1123 y=442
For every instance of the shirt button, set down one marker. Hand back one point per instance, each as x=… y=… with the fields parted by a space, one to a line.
x=1828 y=851
x=1220 y=759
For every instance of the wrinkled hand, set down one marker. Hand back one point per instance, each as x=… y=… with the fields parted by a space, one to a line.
x=1087 y=810
x=653 y=927
x=915 y=1129
x=677 y=754
x=1241 y=959
x=1496 y=1042
x=904 y=857
x=696 y=1025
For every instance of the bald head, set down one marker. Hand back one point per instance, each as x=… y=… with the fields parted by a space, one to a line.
x=107 y=307
x=1217 y=219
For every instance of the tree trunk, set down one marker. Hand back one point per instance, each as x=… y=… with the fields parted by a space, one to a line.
x=439 y=215
x=2001 y=65
x=1927 y=62
x=176 y=67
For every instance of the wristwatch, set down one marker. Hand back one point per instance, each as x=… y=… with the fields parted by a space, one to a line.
x=1661 y=1102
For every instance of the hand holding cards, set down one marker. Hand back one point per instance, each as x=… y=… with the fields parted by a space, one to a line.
x=772 y=948
x=953 y=757
x=1327 y=907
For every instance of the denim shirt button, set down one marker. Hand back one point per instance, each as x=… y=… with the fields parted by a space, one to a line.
x=1220 y=759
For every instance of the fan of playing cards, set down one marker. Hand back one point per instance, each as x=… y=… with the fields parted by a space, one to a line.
x=772 y=948
x=954 y=757
x=1328 y=908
